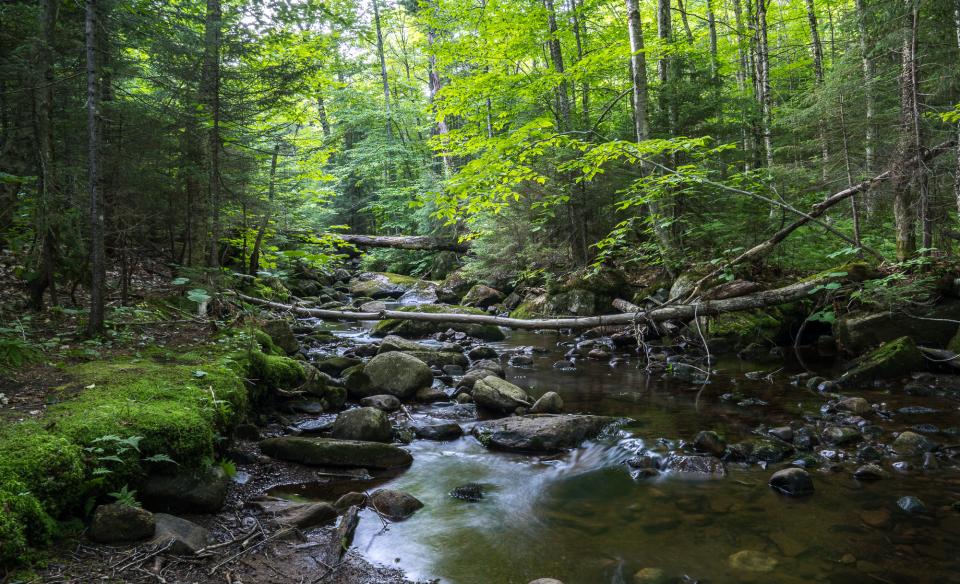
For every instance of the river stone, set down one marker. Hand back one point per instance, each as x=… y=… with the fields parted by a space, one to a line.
x=482 y=352
x=397 y=374
x=186 y=491
x=446 y=431
x=912 y=444
x=475 y=374
x=709 y=441
x=302 y=515
x=858 y=332
x=395 y=343
x=650 y=576
x=351 y=499
x=911 y=504
x=332 y=452
x=422 y=292
x=794 y=482
x=752 y=561
x=539 y=433
x=868 y=472
x=380 y=285
x=387 y=403
x=548 y=403
x=282 y=335
x=394 y=505
x=184 y=537
x=839 y=435
x=366 y=424
x=482 y=296
x=441 y=359
x=857 y=405
x=698 y=467
x=335 y=366
x=116 y=523
x=471 y=492
x=499 y=395
x=895 y=358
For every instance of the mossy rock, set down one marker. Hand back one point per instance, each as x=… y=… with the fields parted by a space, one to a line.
x=893 y=359
x=266 y=343
x=415 y=329
x=23 y=521
x=276 y=372
x=281 y=333
x=379 y=285
x=329 y=452
x=745 y=327
x=49 y=465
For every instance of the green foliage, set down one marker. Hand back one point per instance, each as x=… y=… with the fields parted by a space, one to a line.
x=125 y=496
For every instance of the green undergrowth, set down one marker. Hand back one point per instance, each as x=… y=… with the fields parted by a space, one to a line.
x=115 y=421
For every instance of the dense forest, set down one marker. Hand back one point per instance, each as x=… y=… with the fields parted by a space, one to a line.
x=202 y=203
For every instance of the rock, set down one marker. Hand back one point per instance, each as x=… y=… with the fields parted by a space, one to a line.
x=331 y=452
x=482 y=352
x=482 y=296
x=752 y=561
x=770 y=450
x=784 y=433
x=395 y=505
x=373 y=306
x=352 y=499
x=856 y=405
x=520 y=360
x=894 y=359
x=441 y=359
x=335 y=366
x=281 y=334
x=548 y=403
x=446 y=431
x=911 y=504
x=708 y=441
x=868 y=472
x=186 y=491
x=912 y=444
x=858 y=332
x=116 y=523
x=379 y=285
x=879 y=518
x=840 y=435
x=577 y=302
x=539 y=433
x=186 y=536
x=490 y=365
x=417 y=329
x=453 y=370
x=545 y=581
x=699 y=467
x=395 y=343
x=650 y=576
x=305 y=407
x=247 y=432
x=386 y=403
x=431 y=394
x=421 y=292
x=397 y=374
x=301 y=515
x=365 y=424
x=469 y=492
x=794 y=482
x=498 y=395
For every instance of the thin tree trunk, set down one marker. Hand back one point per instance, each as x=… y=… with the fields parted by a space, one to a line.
x=435 y=84
x=665 y=33
x=580 y=35
x=383 y=68
x=956 y=175
x=763 y=66
x=904 y=196
x=854 y=207
x=322 y=115
x=262 y=230
x=556 y=58
x=743 y=69
x=638 y=66
x=211 y=90
x=97 y=247
x=867 y=64
x=685 y=21
x=817 y=50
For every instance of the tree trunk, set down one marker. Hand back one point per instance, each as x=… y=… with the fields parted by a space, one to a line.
x=262 y=230
x=743 y=72
x=904 y=196
x=685 y=21
x=556 y=58
x=867 y=64
x=665 y=33
x=211 y=96
x=414 y=242
x=763 y=81
x=97 y=248
x=322 y=116
x=638 y=66
x=956 y=175
x=817 y=50
x=854 y=207
x=434 y=85
x=580 y=34
x=383 y=69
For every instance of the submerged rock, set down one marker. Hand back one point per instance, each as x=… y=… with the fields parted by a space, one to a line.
x=469 y=492
x=709 y=441
x=116 y=523
x=752 y=561
x=446 y=431
x=794 y=482
x=366 y=424
x=499 y=395
x=332 y=452
x=699 y=467
x=868 y=472
x=395 y=505
x=540 y=433
x=911 y=504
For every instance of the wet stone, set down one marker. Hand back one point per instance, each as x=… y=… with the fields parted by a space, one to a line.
x=752 y=561
x=784 y=433
x=911 y=504
x=116 y=523
x=469 y=492
x=446 y=431
x=710 y=442
x=868 y=472
x=794 y=482
x=394 y=505
x=840 y=435
x=912 y=444
x=386 y=403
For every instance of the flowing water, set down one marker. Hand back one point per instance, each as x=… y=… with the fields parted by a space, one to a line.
x=582 y=518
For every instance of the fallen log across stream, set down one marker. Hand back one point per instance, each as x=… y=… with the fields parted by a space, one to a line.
x=784 y=295
x=412 y=242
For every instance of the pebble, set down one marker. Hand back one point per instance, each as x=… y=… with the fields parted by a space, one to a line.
x=911 y=504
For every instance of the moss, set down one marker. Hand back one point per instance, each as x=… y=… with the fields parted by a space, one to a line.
x=266 y=343
x=274 y=371
x=48 y=465
x=411 y=328
x=525 y=310
x=23 y=521
x=855 y=271
x=747 y=326
x=893 y=359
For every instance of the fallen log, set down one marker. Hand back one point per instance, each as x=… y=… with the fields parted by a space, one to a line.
x=817 y=210
x=413 y=242
x=784 y=295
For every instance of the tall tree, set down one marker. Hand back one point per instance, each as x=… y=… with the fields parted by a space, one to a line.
x=383 y=69
x=817 y=50
x=213 y=31
x=763 y=81
x=904 y=197
x=556 y=59
x=95 y=324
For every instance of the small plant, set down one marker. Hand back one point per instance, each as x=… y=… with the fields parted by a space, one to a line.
x=125 y=497
x=228 y=466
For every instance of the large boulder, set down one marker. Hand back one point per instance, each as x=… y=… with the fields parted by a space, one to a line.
x=380 y=285
x=332 y=452
x=367 y=424
x=186 y=491
x=539 y=433
x=397 y=374
x=118 y=523
x=578 y=301
x=335 y=366
x=894 y=359
x=290 y=513
x=482 y=296
x=422 y=292
x=394 y=505
x=499 y=395
x=417 y=329
x=282 y=335
x=861 y=331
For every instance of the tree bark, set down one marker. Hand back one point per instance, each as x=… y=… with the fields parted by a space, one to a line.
x=580 y=34
x=638 y=66
x=213 y=25
x=322 y=116
x=685 y=21
x=763 y=81
x=556 y=58
x=817 y=49
x=904 y=196
x=262 y=230
x=956 y=175
x=867 y=64
x=383 y=68
x=95 y=325
x=775 y=297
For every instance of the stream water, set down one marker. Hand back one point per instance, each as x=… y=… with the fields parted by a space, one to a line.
x=581 y=517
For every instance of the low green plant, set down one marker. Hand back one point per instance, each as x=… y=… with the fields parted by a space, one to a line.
x=126 y=497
